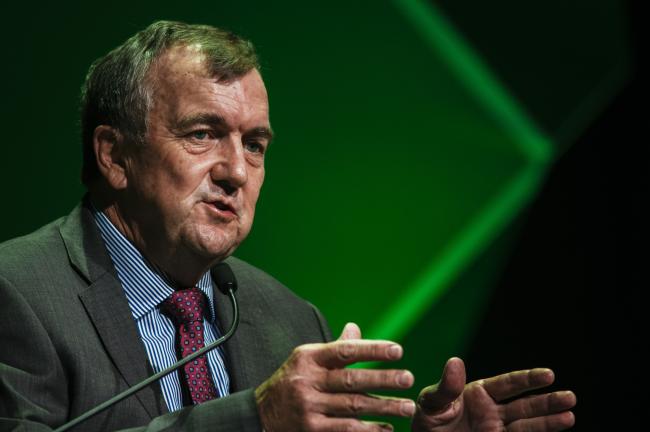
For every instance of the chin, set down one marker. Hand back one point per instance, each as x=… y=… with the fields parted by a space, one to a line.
x=217 y=244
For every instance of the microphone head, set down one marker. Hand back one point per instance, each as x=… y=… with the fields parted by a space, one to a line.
x=224 y=278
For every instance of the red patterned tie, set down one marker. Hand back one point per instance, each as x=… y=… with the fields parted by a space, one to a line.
x=185 y=308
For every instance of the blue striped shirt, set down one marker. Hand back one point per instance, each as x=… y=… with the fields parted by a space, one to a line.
x=145 y=289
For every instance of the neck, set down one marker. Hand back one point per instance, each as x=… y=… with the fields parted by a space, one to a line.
x=181 y=268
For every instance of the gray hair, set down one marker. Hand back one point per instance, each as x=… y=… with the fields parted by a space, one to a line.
x=116 y=92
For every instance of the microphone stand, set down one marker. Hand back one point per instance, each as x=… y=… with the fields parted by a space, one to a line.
x=153 y=378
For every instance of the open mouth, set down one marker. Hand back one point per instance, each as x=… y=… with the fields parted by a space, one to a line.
x=223 y=206
x=224 y=209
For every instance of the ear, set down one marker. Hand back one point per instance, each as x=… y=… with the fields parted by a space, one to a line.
x=108 y=144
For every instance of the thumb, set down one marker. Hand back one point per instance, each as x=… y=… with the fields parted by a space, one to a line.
x=438 y=397
x=350 y=331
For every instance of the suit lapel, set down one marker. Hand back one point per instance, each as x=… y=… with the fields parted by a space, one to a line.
x=258 y=346
x=107 y=306
x=249 y=357
x=234 y=349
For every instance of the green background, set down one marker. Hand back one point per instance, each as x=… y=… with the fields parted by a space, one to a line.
x=409 y=137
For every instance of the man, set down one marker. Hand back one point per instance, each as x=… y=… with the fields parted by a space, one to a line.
x=175 y=130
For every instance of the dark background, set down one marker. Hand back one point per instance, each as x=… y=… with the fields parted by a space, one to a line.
x=589 y=230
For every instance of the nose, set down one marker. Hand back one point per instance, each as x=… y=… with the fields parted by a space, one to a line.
x=230 y=171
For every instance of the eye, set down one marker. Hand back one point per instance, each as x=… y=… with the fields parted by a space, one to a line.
x=254 y=147
x=200 y=134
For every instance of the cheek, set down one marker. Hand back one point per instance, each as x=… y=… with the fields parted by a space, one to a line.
x=180 y=172
x=179 y=181
x=254 y=191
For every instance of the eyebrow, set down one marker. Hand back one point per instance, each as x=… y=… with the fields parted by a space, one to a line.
x=216 y=121
x=261 y=132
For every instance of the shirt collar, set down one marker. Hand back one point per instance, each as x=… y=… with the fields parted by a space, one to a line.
x=144 y=285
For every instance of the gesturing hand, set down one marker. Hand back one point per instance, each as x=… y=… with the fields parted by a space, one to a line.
x=312 y=391
x=451 y=405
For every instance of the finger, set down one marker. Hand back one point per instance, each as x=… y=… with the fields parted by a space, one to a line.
x=341 y=353
x=437 y=397
x=378 y=426
x=357 y=404
x=351 y=425
x=550 y=423
x=512 y=384
x=350 y=331
x=538 y=406
x=356 y=380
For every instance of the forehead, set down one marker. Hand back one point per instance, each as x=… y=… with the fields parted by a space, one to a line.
x=182 y=85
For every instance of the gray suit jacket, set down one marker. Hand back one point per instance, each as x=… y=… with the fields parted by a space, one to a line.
x=68 y=341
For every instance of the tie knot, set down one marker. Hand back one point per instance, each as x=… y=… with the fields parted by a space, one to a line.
x=185 y=306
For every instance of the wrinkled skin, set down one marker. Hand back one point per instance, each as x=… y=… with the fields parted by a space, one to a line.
x=203 y=150
x=313 y=392
x=452 y=405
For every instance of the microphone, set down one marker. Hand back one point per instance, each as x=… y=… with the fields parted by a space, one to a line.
x=227 y=284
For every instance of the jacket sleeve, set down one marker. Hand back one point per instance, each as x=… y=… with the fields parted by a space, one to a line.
x=32 y=379
x=322 y=322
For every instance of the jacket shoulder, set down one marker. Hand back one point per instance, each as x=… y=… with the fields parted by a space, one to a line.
x=247 y=275
x=33 y=251
x=258 y=285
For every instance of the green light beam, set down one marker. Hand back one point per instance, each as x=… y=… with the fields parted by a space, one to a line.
x=477 y=78
x=445 y=267
x=499 y=212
